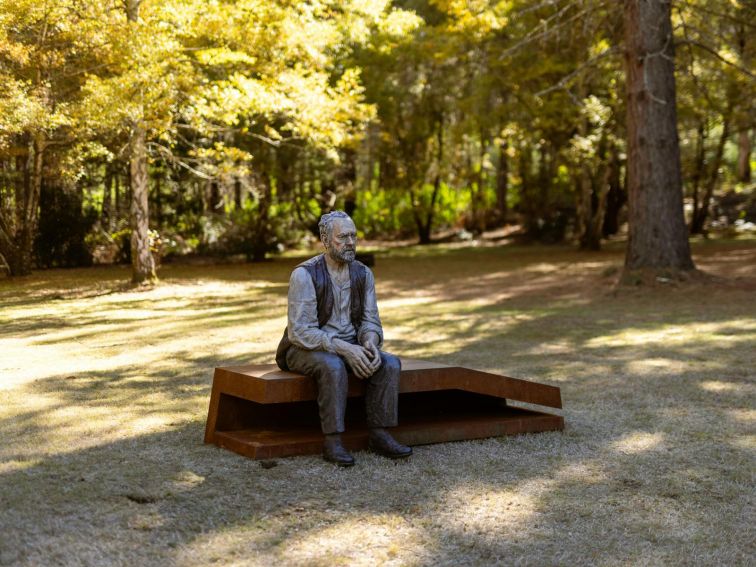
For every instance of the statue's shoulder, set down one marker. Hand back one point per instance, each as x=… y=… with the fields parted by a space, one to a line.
x=361 y=269
x=310 y=262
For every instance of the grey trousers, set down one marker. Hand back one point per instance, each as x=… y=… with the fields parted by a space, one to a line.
x=330 y=373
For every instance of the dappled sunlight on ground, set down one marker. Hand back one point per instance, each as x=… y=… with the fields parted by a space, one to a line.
x=719 y=386
x=731 y=331
x=487 y=511
x=743 y=415
x=389 y=535
x=639 y=441
x=105 y=392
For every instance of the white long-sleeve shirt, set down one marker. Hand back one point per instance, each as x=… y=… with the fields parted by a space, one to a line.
x=303 y=313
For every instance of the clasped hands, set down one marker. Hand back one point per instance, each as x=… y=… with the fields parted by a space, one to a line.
x=363 y=359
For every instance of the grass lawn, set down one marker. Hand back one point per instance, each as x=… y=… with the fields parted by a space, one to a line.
x=105 y=389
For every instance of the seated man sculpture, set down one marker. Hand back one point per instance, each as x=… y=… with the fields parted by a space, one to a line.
x=334 y=327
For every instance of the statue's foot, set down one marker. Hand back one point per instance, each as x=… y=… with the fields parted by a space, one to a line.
x=380 y=441
x=334 y=452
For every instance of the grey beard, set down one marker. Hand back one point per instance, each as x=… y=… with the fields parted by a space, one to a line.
x=347 y=256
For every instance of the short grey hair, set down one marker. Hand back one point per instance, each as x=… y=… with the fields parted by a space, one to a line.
x=326 y=223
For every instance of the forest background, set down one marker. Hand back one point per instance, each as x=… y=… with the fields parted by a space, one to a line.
x=140 y=130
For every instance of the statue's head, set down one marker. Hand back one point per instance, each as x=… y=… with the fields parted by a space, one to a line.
x=339 y=236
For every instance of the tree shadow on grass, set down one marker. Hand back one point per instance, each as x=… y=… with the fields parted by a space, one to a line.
x=651 y=463
x=163 y=497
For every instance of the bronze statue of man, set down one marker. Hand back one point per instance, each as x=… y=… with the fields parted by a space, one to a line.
x=333 y=328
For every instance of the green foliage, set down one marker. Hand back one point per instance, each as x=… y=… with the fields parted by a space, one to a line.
x=246 y=231
x=263 y=114
x=384 y=213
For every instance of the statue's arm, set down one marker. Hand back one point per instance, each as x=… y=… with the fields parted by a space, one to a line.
x=371 y=330
x=303 y=328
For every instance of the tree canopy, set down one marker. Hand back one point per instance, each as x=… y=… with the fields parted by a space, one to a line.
x=132 y=129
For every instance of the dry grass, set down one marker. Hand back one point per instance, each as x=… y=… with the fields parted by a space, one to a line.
x=105 y=391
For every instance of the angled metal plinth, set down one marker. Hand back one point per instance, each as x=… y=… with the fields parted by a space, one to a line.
x=262 y=412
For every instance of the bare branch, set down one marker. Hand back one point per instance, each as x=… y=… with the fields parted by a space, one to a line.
x=567 y=78
x=534 y=35
x=168 y=155
x=718 y=56
x=734 y=19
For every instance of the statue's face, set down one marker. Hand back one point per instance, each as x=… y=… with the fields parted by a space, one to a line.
x=342 y=244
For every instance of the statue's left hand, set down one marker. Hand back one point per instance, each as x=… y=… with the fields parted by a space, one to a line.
x=375 y=355
x=370 y=345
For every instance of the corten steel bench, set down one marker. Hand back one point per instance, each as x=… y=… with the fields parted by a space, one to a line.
x=262 y=412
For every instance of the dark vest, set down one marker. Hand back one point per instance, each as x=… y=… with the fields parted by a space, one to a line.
x=324 y=295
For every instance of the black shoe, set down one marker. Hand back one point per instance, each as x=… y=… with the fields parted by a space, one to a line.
x=334 y=452
x=381 y=442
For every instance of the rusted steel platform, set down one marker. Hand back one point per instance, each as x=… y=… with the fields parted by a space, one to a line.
x=262 y=412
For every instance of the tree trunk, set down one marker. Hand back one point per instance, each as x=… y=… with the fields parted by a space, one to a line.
x=424 y=226
x=142 y=262
x=700 y=215
x=658 y=238
x=260 y=242
x=481 y=181
x=117 y=199
x=216 y=203
x=616 y=197
x=159 y=199
x=237 y=194
x=502 y=183
x=744 y=156
x=593 y=190
x=545 y=171
x=106 y=217
x=698 y=168
x=17 y=239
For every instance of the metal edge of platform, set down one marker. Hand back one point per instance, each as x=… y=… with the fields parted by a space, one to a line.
x=258 y=446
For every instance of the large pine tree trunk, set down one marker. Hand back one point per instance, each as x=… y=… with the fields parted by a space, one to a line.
x=658 y=238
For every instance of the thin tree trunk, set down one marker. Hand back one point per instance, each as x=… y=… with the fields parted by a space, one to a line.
x=700 y=216
x=658 y=238
x=527 y=198
x=481 y=180
x=106 y=218
x=502 y=182
x=424 y=226
x=19 y=240
x=142 y=262
x=595 y=207
x=215 y=198
x=744 y=156
x=616 y=196
x=159 y=199
x=260 y=244
x=118 y=199
x=237 y=194
x=698 y=168
x=585 y=211
x=545 y=169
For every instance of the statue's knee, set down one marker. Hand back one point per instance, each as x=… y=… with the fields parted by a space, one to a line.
x=392 y=363
x=334 y=366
